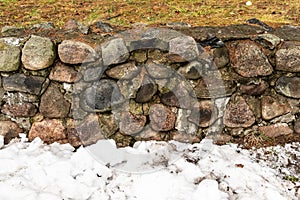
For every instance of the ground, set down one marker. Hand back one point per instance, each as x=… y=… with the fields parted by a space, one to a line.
x=126 y=12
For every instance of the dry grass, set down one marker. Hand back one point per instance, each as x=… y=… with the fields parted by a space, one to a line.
x=126 y=12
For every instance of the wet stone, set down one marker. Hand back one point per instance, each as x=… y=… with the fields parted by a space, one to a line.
x=53 y=103
x=288 y=57
x=238 y=113
x=123 y=71
x=9 y=130
x=248 y=59
x=183 y=48
x=63 y=73
x=161 y=118
x=19 y=110
x=9 y=57
x=254 y=89
x=275 y=130
x=131 y=124
x=273 y=107
x=74 y=52
x=114 y=52
x=22 y=83
x=102 y=96
x=38 y=53
x=288 y=86
x=49 y=130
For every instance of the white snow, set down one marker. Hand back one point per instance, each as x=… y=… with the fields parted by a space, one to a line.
x=203 y=171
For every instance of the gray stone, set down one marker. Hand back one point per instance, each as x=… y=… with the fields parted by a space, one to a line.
x=193 y=70
x=146 y=91
x=9 y=130
x=268 y=40
x=275 y=130
x=123 y=71
x=102 y=96
x=204 y=114
x=161 y=118
x=254 y=89
x=63 y=73
x=11 y=31
x=74 y=52
x=103 y=26
x=297 y=126
x=131 y=124
x=288 y=57
x=159 y=71
x=273 y=107
x=22 y=83
x=49 y=131
x=178 y=24
x=92 y=71
x=53 y=104
x=220 y=57
x=248 y=59
x=114 y=52
x=45 y=25
x=74 y=25
x=38 y=53
x=89 y=130
x=183 y=125
x=9 y=57
x=288 y=86
x=183 y=48
x=19 y=110
x=238 y=113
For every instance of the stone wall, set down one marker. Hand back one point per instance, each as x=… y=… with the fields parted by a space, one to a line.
x=149 y=83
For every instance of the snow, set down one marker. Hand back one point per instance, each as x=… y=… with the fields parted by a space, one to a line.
x=200 y=171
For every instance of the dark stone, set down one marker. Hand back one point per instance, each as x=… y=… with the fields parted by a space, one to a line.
x=19 y=110
x=248 y=59
x=131 y=124
x=169 y=99
x=194 y=69
x=102 y=95
x=146 y=91
x=204 y=113
x=238 y=113
x=268 y=40
x=161 y=118
x=213 y=42
x=8 y=31
x=92 y=71
x=103 y=26
x=254 y=89
x=22 y=83
x=260 y=23
x=9 y=130
x=45 y=25
x=288 y=86
x=53 y=104
x=288 y=57
x=221 y=56
x=297 y=126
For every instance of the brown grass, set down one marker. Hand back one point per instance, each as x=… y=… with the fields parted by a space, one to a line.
x=126 y=12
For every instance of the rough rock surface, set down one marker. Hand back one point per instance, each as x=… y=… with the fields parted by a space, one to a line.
x=49 y=130
x=74 y=52
x=159 y=71
x=248 y=59
x=204 y=114
x=254 y=88
x=63 y=73
x=161 y=118
x=268 y=40
x=9 y=57
x=114 y=52
x=288 y=86
x=9 y=130
x=297 y=126
x=38 y=53
x=123 y=71
x=273 y=107
x=146 y=91
x=275 y=130
x=108 y=124
x=19 y=109
x=131 y=124
x=238 y=113
x=22 y=83
x=53 y=103
x=288 y=57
